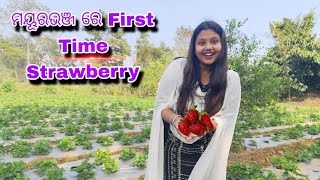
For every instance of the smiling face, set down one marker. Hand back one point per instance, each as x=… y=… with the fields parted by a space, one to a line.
x=207 y=47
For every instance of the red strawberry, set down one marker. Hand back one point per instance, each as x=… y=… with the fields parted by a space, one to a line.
x=198 y=129
x=205 y=120
x=192 y=115
x=183 y=127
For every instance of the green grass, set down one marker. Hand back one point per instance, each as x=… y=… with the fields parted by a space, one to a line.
x=81 y=95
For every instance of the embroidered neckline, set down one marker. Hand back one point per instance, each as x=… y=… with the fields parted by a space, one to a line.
x=204 y=88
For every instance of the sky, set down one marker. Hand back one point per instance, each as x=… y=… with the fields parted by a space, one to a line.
x=175 y=13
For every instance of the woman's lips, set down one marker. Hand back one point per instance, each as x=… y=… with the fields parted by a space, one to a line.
x=208 y=55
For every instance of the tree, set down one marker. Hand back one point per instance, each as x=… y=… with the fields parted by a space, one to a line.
x=154 y=69
x=17 y=5
x=258 y=87
x=12 y=56
x=147 y=52
x=119 y=45
x=143 y=47
x=182 y=40
x=297 y=52
x=20 y=47
x=97 y=35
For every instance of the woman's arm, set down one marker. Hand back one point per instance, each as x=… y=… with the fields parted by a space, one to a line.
x=167 y=85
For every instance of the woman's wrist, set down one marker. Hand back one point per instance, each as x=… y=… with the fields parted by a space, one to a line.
x=171 y=118
x=175 y=120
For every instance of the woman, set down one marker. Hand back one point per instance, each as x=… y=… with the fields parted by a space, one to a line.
x=202 y=79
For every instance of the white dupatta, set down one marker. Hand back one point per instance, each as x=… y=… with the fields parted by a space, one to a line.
x=213 y=162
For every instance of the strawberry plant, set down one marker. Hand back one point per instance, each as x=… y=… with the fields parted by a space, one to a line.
x=86 y=145
x=314 y=117
x=252 y=142
x=126 y=117
x=27 y=132
x=146 y=131
x=92 y=119
x=63 y=109
x=145 y=149
x=293 y=133
x=140 y=161
x=115 y=119
x=43 y=166
x=126 y=140
x=313 y=129
x=276 y=138
x=105 y=140
x=315 y=149
x=110 y=165
x=68 y=121
x=104 y=118
x=139 y=138
x=42 y=147
x=56 y=123
x=287 y=163
x=80 y=121
x=304 y=155
x=20 y=149
x=55 y=174
x=48 y=132
x=13 y=170
x=6 y=134
x=49 y=169
x=80 y=139
x=89 y=129
x=101 y=155
x=118 y=135
x=116 y=126
x=34 y=121
x=127 y=154
x=238 y=171
x=66 y=144
x=3 y=150
x=85 y=170
x=128 y=125
x=83 y=139
x=103 y=127
x=73 y=114
x=71 y=129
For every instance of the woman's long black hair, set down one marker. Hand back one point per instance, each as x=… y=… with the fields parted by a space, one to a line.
x=191 y=74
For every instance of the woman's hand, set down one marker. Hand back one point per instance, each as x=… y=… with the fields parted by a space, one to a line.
x=215 y=124
x=176 y=124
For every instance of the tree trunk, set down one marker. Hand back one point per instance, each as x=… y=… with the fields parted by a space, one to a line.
x=16 y=73
x=289 y=91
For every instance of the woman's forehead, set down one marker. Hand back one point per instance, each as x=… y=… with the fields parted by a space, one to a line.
x=208 y=33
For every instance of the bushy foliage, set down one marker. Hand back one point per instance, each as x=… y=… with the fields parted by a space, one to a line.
x=9 y=85
x=258 y=87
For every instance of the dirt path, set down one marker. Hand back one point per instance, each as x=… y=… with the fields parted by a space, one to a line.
x=264 y=156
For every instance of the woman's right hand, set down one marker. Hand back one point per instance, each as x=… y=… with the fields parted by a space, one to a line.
x=176 y=124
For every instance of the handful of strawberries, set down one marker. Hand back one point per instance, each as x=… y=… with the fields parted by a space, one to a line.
x=195 y=123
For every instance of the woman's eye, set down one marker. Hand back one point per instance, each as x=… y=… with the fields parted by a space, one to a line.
x=201 y=43
x=214 y=42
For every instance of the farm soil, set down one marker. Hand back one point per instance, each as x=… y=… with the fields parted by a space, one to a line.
x=264 y=156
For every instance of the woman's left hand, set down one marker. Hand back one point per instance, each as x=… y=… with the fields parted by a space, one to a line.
x=192 y=136
x=215 y=124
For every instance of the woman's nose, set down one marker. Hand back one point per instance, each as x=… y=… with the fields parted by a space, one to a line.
x=208 y=46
